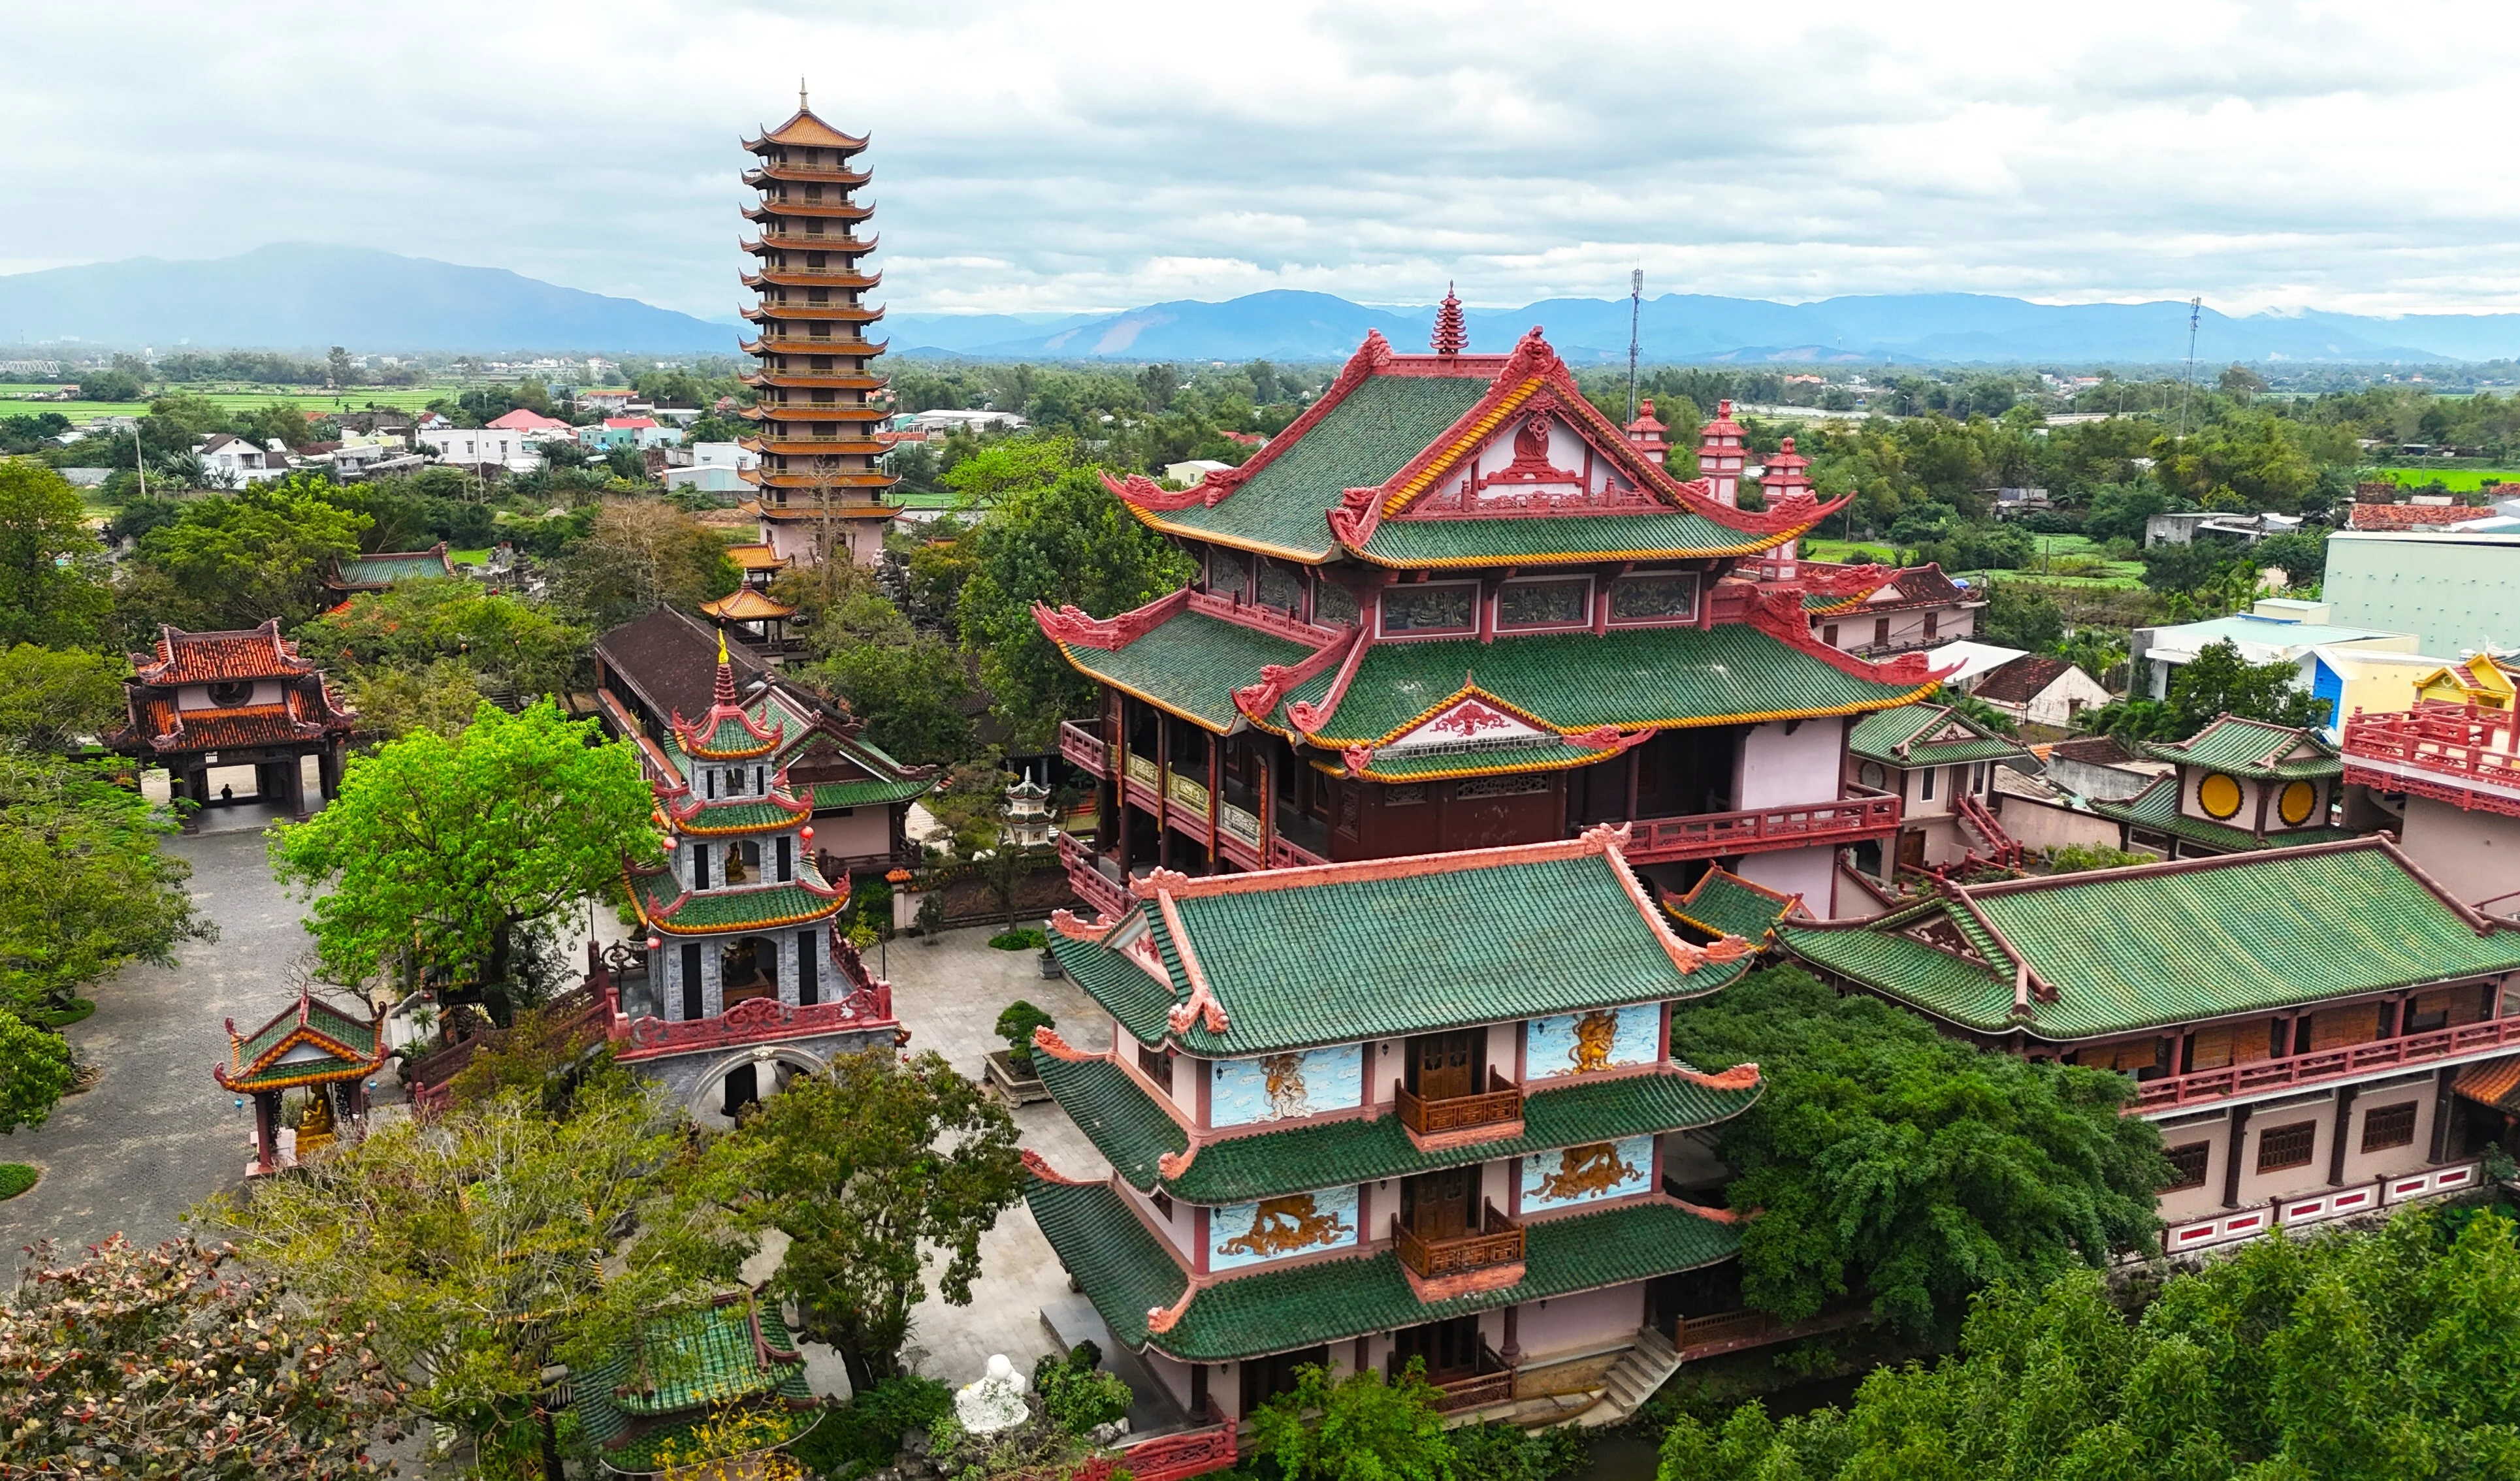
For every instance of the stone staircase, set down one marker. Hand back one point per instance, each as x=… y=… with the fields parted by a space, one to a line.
x=1633 y=1379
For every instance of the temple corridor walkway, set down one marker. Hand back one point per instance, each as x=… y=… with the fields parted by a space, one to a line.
x=156 y=1134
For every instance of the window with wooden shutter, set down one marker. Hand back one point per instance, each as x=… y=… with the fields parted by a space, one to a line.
x=2387 y=1126
x=2189 y=1164
x=2286 y=1147
x=2337 y=1027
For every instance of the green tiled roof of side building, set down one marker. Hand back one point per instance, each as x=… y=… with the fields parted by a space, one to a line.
x=1891 y=737
x=2130 y=949
x=2156 y=808
x=1360 y=443
x=1125 y=1272
x=870 y=792
x=1724 y=904
x=2245 y=747
x=1483 y=936
x=696 y=1360
x=1132 y=1132
x=399 y=566
x=1191 y=665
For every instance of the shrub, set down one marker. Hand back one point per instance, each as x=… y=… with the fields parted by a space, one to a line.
x=866 y=1432
x=1016 y=1026
x=1495 y=1452
x=1074 y=1396
x=2075 y=859
x=1030 y=939
x=16 y=1178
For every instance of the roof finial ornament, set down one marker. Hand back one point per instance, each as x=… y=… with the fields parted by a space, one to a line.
x=723 y=691
x=1452 y=336
x=800 y=93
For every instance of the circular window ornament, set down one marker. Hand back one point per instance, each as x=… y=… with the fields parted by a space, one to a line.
x=1872 y=775
x=2297 y=802
x=2219 y=795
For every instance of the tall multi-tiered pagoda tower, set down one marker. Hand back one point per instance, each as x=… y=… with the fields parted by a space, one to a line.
x=822 y=493
x=1454 y=606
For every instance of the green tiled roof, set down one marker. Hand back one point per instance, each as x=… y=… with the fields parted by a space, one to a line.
x=1670 y=534
x=2152 y=946
x=312 y=1015
x=1891 y=737
x=730 y=736
x=1132 y=1130
x=1628 y=677
x=1365 y=439
x=2156 y=808
x=1191 y=664
x=382 y=570
x=1477 y=943
x=1488 y=761
x=1124 y=1271
x=711 y=909
x=693 y=1360
x=869 y=793
x=1123 y=989
x=761 y=816
x=1724 y=904
x=2241 y=747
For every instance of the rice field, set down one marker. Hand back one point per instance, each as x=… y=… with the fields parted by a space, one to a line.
x=2458 y=480
x=357 y=398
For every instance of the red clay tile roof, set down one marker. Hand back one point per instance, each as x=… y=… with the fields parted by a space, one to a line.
x=2091 y=750
x=210 y=657
x=2495 y=1082
x=2020 y=681
x=2389 y=516
x=168 y=728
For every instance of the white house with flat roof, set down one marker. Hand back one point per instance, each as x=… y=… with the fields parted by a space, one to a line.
x=2276 y=629
x=2458 y=592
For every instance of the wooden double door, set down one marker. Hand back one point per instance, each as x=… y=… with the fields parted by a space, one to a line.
x=1449 y=1349
x=1265 y=1378
x=1440 y=1205
x=1442 y=1067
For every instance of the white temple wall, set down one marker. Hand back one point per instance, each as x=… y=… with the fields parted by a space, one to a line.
x=1784 y=764
x=1570 y=1325
x=1811 y=872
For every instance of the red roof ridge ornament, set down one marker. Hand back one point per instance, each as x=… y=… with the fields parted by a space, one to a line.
x=1064 y=921
x=1742 y=1076
x=1451 y=334
x=1047 y=1040
x=1035 y=1164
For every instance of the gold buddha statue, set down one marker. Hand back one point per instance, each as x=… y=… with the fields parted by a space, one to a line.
x=315 y=1127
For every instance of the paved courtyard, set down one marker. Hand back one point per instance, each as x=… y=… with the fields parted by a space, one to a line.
x=156 y=1136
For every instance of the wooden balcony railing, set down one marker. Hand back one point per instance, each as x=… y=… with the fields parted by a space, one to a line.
x=1460 y=1113
x=2489 y=1037
x=1285 y=853
x=1085 y=877
x=1498 y=1241
x=1239 y=823
x=1142 y=769
x=1704 y=836
x=1170 y=1457
x=1722 y=1326
x=1187 y=792
x=1493 y=1383
x=2450 y=753
x=1083 y=746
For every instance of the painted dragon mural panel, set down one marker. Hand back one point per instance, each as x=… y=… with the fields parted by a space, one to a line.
x=1272 y=1228
x=1587 y=1174
x=1587 y=1042
x=1286 y=1086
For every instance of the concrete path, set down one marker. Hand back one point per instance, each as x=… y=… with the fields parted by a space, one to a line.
x=156 y=1134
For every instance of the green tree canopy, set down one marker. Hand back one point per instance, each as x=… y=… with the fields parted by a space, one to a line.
x=873 y=1169
x=84 y=889
x=1356 y=1428
x=640 y=555
x=1065 y=541
x=52 y=572
x=36 y=1072
x=507 y=640
x=491 y=1243
x=2217 y=681
x=232 y=561
x=50 y=697
x=445 y=848
x=907 y=684
x=2351 y=1357
x=2022 y=616
x=1893 y=1162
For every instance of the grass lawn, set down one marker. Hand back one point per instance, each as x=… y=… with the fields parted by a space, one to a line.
x=2458 y=480
x=479 y=557
x=1849 y=552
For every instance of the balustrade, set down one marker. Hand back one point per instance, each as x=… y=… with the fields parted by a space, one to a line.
x=1083 y=746
x=2325 y=1064
x=1498 y=1241
x=1704 y=836
x=1497 y=1106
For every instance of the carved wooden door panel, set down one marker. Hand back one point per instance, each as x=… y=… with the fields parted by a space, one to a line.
x=1437 y=1205
x=1444 y=1065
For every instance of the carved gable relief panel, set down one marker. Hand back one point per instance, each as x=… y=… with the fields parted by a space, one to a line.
x=1472 y=721
x=1275 y=1229
x=1587 y=1042
x=1536 y=464
x=1942 y=934
x=1286 y=1086
x=1587 y=1174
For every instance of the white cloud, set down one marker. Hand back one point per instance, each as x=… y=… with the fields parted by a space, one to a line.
x=1054 y=157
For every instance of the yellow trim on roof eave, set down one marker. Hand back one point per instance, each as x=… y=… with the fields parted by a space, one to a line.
x=1760 y=717
x=1578 y=756
x=1448 y=562
x=689 y=830
x=1163 y=527
x=1713 y=930
x=1477 y=433
x=320 y=1077
x=1139 y=694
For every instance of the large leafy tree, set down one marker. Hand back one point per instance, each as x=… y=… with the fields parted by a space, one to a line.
x=36 y=1072
x=233 y=562
x=50 y=697
x=491 y=1243
x=52 y=570
x=169 y=1363
x=873 y=1170
x=2353 y=1356
x=640 y=555
x=1357 y=1428
x=84 y=888
x=906 y=685
x=507 y=640
x=1060 y=541
x=1897 y=1163
x=2217 y=681
x=447 y=848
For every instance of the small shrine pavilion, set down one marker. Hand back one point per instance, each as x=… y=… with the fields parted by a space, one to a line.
x=1421 y=1165
x=378 y=572
x=823 y=493
x=238 y=698
x=2241 y=785
x=309 y=1044
x=745 y=980
x=751 y=617
x=1453 y=605
x=640 y=1406
x=1941 y=766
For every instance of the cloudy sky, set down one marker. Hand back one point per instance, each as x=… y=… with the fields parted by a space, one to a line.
x=1038 y=157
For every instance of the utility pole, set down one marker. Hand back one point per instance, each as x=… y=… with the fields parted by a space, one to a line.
x=139 y=465
x=2196 y=309
x=1636 y=312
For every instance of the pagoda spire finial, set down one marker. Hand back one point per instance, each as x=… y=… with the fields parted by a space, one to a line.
x=723 y=691
x=800 y=94
x=1452 y=336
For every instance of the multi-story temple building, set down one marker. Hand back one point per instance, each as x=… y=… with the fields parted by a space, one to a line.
x=2300 y=1022
x=744 y=981
x=821 y=494
x=1451 y=606
x=1465 y=1152
x=242 y=698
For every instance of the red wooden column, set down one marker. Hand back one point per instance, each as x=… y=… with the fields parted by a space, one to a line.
x=1215 y=790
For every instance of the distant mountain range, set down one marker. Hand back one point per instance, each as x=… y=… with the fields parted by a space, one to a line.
x=299 y=296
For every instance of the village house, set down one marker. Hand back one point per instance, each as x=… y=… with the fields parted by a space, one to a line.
x=233 y=462
x=1888 y=611
x=2036 y=689
x=1474 y=1155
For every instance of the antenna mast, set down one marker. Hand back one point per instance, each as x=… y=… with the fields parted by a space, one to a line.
x=1635 y=310
x=2196 y=309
